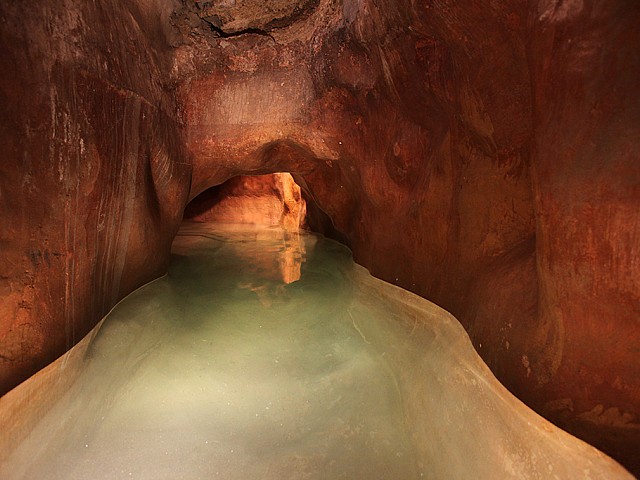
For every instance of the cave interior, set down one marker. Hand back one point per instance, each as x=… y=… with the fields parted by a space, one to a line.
x=483 y=155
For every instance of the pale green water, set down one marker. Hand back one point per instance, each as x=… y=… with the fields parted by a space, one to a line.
x=228 y=368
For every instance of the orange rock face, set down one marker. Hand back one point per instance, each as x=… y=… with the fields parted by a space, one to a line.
x=484 y=156
x=273 y=199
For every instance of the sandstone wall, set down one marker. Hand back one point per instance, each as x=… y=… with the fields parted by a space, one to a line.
x=93 y=176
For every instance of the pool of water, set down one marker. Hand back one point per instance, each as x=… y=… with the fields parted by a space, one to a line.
x=267 y=354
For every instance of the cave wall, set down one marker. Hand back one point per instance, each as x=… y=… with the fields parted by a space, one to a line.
x=481 y=154
x=93 y=177
x=585 y=70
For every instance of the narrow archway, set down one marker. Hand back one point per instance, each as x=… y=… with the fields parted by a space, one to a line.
x=270 y=199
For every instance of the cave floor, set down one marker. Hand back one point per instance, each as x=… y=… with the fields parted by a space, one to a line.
x=269 y=354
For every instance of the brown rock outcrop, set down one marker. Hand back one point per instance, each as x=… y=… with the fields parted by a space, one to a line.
x=586 y=171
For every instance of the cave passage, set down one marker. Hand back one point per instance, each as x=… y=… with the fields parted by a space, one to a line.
x=267 y=353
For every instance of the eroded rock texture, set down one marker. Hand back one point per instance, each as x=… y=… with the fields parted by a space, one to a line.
x=481 y=154
x=93 y=177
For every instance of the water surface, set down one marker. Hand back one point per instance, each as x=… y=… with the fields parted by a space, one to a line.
x=267 y=354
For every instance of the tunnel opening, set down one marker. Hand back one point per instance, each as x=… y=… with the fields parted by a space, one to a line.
x=273 y=199
x=279 y=200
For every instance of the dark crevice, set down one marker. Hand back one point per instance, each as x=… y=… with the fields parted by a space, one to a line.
x=247 y=31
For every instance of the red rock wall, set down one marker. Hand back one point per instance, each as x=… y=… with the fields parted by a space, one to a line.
x=92 y=177
x=586 y=70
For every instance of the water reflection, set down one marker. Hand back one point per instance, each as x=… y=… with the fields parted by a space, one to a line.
x=270 y=355
x=270 y=257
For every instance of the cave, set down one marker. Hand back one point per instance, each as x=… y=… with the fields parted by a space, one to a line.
x=481 y=157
